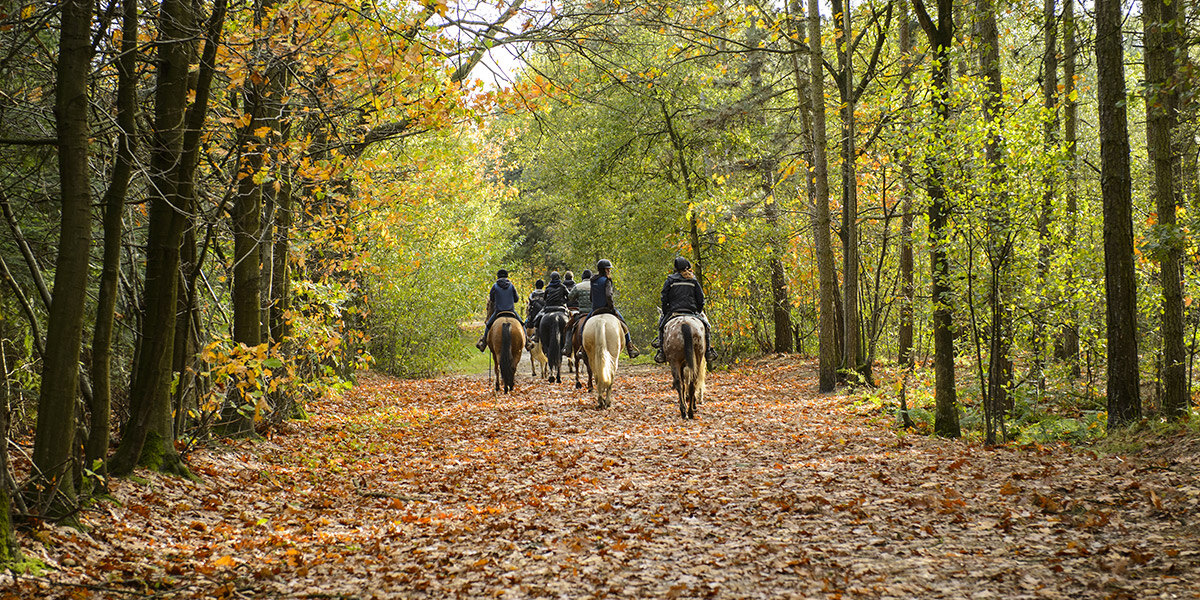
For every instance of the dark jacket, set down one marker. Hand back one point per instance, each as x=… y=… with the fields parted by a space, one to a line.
x=682 y=294
x=602 y=293
x=537 y=299
x=581 y=297
x=556 y=294
x=503 y=297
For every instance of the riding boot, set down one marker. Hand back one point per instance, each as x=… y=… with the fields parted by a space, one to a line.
x=482 y=343
x=659 y=357
x=629 y=347
x=710 y=353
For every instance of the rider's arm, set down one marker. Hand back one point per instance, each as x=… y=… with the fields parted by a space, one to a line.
x=699 y=294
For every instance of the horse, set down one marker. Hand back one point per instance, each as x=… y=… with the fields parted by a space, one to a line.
x=575 y=335
x=603 y=339
x=506 y=339
x=537 y=357
x=550 y=332
x=683 y=345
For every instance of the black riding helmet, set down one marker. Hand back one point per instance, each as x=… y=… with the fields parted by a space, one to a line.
x=682 y=264
x=539 y=284
x=554 y=276
x=501 y=274
x=587 y=274
x=603 y=263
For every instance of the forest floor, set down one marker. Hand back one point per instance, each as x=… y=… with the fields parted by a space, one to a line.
x=437 y=489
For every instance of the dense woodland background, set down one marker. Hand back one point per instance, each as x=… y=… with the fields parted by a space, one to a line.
x=216 y=211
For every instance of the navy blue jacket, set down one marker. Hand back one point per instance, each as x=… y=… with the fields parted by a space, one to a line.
x=503 y=297
x=602 y=293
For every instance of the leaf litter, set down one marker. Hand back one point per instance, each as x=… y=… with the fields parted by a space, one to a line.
x=438 y=488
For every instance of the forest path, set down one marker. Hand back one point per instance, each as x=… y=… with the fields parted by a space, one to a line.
x=437 y=488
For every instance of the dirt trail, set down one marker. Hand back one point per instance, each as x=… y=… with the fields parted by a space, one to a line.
x=438 y=489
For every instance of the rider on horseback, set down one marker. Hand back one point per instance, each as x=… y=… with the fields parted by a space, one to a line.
x=569 y=281
x=502 y=300
x=602 y=300
x=555 y=298
x=537 y=299
x=681 y=293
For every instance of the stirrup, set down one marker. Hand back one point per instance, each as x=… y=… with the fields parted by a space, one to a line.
x=659 y=357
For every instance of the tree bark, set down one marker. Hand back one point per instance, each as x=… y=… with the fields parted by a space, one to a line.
x=904 y=342
x=1070 y=330
x=148 y=434
x=822 y=229
x=999 y=223
x=851 y=328
x=114 y=209
x=941 y=39
x=1124 y=400
x=1159 y=21
x=54 y=449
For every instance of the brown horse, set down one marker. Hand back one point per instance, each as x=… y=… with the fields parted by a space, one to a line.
x=683 y=343
x=506 y=339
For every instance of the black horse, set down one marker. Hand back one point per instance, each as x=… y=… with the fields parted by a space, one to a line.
x=551 y=332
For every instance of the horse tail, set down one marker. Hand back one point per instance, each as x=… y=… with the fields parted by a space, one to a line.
x=508 y=368
x=689 y=352
x=552 y=340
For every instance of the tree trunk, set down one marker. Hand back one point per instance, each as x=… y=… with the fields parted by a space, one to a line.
x=10 y=550
x=999 y=224
x=851 y=328
x=1070 y=331
x=1159 y=20
x=822 y=229
x=941 y=38
x=904 y=342
x=1049 y=139
x=1124 y=400
x=54 y=449
x=780 y=302
x=114 y=209
x=148 y=435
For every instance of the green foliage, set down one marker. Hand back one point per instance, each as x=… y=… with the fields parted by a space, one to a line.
x=430 y=250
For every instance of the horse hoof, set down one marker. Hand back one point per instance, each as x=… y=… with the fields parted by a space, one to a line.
x=579 y=386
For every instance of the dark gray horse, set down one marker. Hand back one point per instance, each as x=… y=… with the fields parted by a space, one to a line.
x=551 y=332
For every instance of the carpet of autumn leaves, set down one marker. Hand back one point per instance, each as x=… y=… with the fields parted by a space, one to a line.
x=439 y=489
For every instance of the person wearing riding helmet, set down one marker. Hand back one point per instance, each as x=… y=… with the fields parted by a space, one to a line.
x=536 y=300
x=569 y=281
x=681 y=293
x=555 y=298
x=502 y=299
x=602 y=300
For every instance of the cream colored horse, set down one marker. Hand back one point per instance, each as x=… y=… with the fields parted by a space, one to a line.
x=603 y=339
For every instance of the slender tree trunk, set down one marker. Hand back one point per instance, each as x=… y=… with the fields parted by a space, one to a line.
x=1124 y=400
x=1162 y=42
x=149 y=433
x=10 y=550
x=1049 y=139
x=1070 y=331
x=851 y=328
x=114 y=208
x=54 y=449
x=941 y=38
x=822 y=228
x=999 y=223
x=904 y=342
